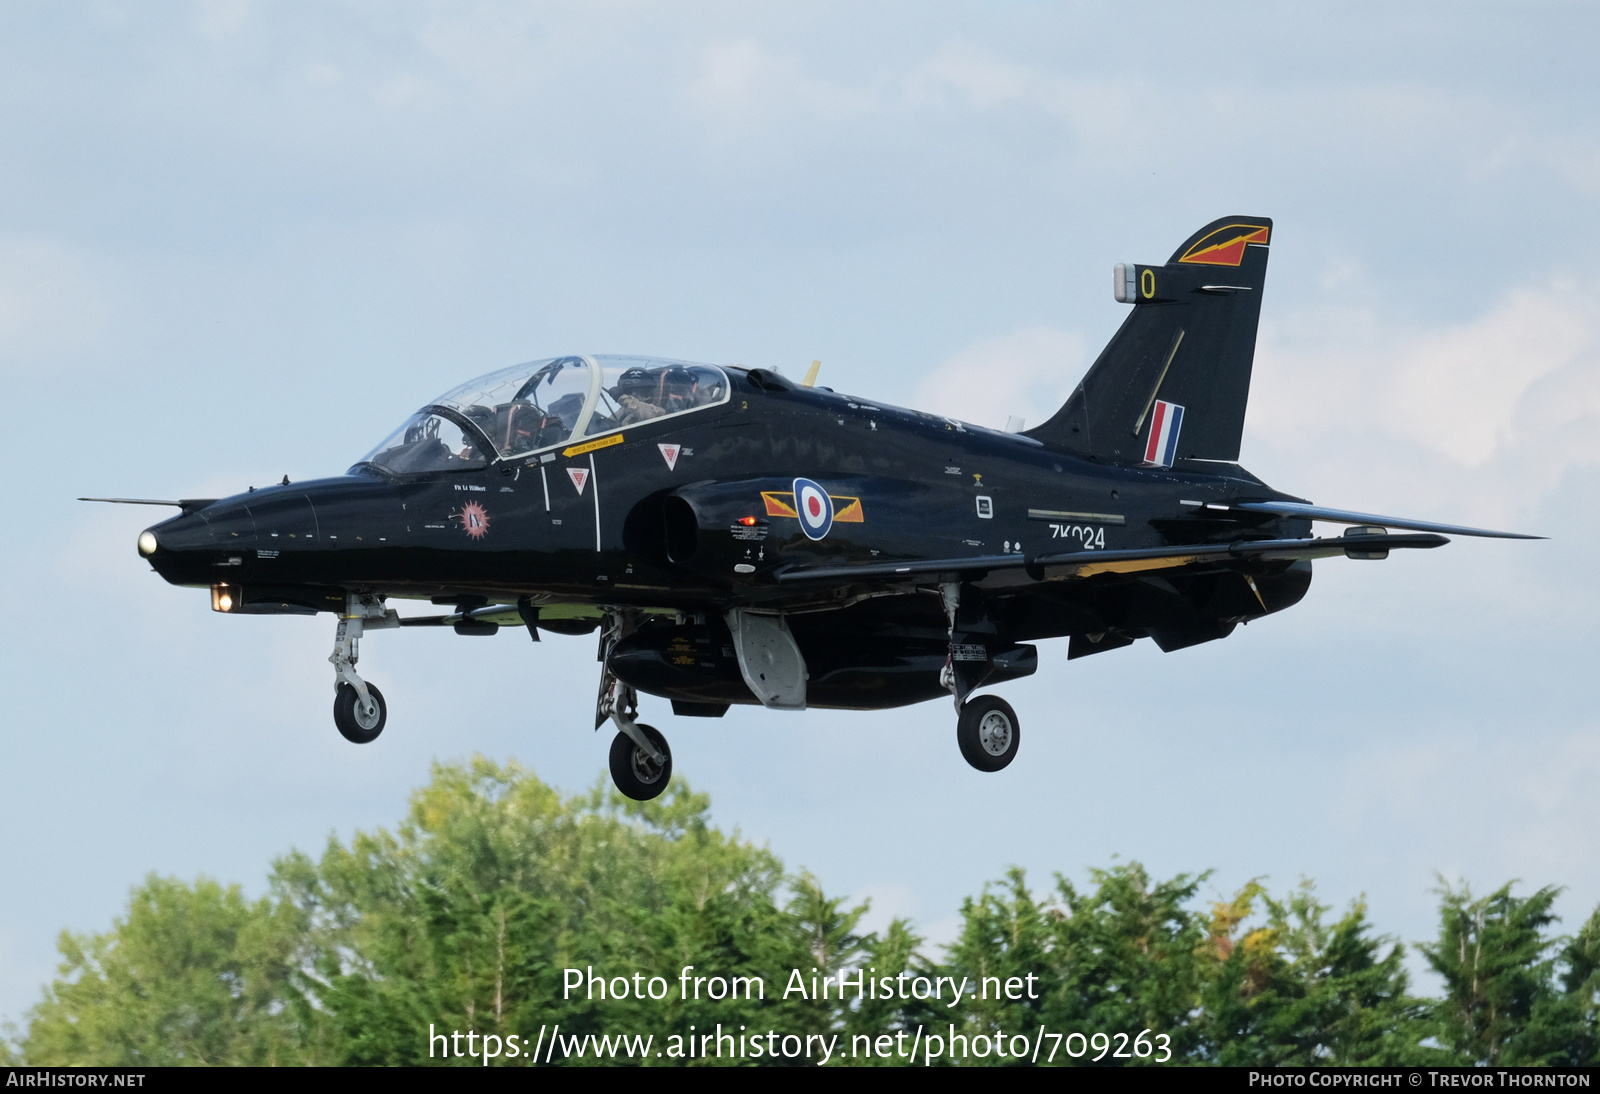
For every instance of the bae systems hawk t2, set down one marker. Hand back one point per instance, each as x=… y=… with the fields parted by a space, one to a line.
x=736 y=537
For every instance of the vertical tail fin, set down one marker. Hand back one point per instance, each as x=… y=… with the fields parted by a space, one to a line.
x=1173 y=381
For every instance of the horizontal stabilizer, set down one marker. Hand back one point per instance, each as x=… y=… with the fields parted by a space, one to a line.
x=1345 y=516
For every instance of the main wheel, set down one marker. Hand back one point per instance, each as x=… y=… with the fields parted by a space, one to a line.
x=357 y=725
x=635 y=773
x=987 y=732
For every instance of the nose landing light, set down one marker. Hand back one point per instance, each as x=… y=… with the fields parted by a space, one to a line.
x=147 y=543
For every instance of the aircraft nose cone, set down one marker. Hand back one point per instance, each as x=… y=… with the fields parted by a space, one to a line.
x=180 y=549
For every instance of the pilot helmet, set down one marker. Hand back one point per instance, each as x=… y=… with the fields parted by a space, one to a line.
x=680 y=383
x=635 y=381
x=479 y=415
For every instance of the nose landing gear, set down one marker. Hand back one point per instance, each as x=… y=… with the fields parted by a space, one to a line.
x=359 y=718
x=359 y=711
x=641 y=762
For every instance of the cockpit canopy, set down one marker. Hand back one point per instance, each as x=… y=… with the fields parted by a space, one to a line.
x=529 y=408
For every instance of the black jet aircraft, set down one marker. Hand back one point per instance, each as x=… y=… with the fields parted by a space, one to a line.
x=736 y=537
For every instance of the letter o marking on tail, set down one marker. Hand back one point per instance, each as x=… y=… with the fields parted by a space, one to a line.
x=1147 y=283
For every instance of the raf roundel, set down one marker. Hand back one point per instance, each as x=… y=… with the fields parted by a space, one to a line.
x=815 y=508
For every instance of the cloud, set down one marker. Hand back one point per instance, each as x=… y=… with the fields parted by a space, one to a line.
x=1027 y=374
x=223 y=18
x=742 y=82
x=1478 y=421
x=1454 y=389
x=1491 y=411
x=979 y=80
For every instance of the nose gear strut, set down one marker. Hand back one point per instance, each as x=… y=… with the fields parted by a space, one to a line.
x=641 y=762
x=359 y=710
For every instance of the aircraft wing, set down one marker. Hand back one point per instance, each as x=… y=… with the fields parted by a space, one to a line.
x=903 y=570
x=1081 y=564
x=1345 y=516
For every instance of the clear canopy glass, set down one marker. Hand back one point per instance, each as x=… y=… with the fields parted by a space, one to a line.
x=542 y=404
x=641 y=389
x=429 y=442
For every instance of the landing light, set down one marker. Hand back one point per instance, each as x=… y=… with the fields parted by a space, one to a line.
x=222 y=598
x=147 y=543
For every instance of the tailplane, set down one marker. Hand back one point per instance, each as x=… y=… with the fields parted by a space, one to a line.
x=1172 y=383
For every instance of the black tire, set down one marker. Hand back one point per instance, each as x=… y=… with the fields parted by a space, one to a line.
x=355 y=726
x=988 y=732
x=636 y=775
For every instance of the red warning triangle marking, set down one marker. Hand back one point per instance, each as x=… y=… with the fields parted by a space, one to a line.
x=580 y=476
x=669 y=452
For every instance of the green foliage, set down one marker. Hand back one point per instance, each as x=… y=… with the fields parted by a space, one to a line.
x=1132 y=956
x=894 y=957
x=1302 y=990
x=1503 y=1001
x=468 y=915
x=191 y=975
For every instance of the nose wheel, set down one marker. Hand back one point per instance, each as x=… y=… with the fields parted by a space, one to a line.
x=641 y=762
x=358 y=707
x=988 y=732
x=359 y=721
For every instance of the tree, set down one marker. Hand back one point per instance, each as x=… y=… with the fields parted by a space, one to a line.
x=1301 y=991
x=190 y=975
x=471 y=914
x=1580 y=1000
x=896 y=1002
x=1501 y=1004
x=1129 y=956
x=1004 y=937
x=502 y=908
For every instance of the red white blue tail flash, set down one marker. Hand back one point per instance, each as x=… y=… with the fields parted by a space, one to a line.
x=1162 y=450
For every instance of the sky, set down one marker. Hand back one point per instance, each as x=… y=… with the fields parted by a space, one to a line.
x=243 y=240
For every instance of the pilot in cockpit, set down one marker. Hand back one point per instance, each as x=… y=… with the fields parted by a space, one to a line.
x=482 y=417
x=680 y=390
x=638 y=397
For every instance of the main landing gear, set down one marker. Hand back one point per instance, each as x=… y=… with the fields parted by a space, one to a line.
x=637 y=773
x=987 y=729
x=987 y=732
x=641 y=762
x=358 y=707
